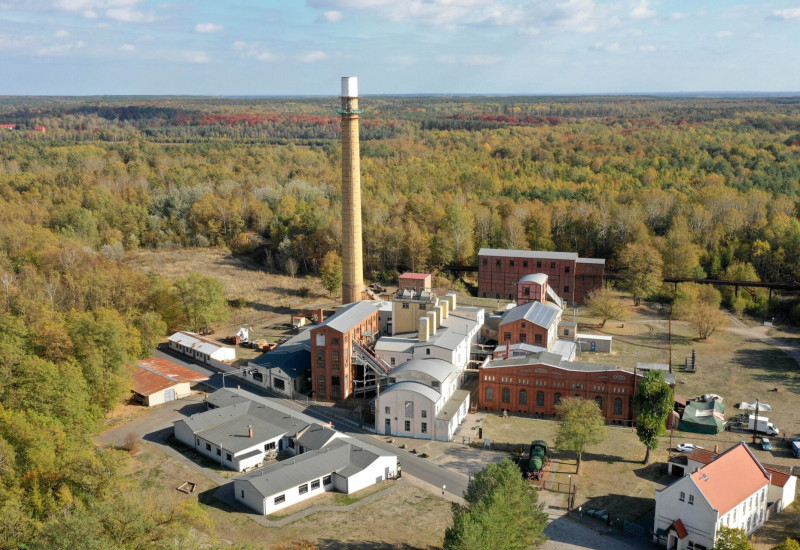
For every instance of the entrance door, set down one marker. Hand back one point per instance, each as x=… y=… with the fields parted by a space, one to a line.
x=169 y=394
x=388 y=427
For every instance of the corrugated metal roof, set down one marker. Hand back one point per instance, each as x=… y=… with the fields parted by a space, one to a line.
x=197 y=342
x=538 y=278
x=158 y=374
x=396 y=344
x=537 y=254
x=349 y=316
x=416 y=387
x=453 y=404
x=591 y=261
x=540 y=314
x=437 y=368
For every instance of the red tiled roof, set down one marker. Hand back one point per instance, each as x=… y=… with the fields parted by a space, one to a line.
x=680 y=400
x=157 y=374
x=702 y=455
x=414 y=275
x=679 y=528
x=779 y=479
x=731 y=478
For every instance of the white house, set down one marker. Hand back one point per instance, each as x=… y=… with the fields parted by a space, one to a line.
x=202 y=349
x=782 y=489
x=422 y=400
x=345 y=464
x=731 y=490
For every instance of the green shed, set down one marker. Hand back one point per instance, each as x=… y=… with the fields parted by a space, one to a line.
x=703 y=417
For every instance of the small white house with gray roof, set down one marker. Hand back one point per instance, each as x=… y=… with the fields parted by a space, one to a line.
x=200 y=348
x=423 y=400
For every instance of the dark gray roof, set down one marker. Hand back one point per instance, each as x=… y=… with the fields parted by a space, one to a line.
x=538 y=254
x=537 y=313
x=316 y=436
x=293 y=356
x=349 y=316
x=552 y=360
x=436 y=368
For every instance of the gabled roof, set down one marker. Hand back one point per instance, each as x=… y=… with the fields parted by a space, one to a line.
x=680 y=529
x=420 y=276
x=731 y=478
x=316 y=437
x=539 y=254
x=703 y=456
x=293 y=356
x=349 y=316
x=158 y=374
x=436 y=368
x=197 y=342
x=540 y=314
x=779 y=479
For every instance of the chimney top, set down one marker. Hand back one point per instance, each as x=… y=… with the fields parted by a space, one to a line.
x=349 y=86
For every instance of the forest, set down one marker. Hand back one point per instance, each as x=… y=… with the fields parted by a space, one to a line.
x=711 y=186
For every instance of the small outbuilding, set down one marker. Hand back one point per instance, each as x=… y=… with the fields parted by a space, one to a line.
x=703 y=417
x=158 y=381
x=200 y=348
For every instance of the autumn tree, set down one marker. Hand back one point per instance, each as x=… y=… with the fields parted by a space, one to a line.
x=605 y=304
x=730 y=538
x=641 y=266
x=331 y=272
x=501 y=512
x=787 y=544
x=652 y=403
x=699 y=305
x=202 y=300
x=580 y=424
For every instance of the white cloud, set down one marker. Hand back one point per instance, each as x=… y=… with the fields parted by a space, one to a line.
x=446 y=59
x=196 y=56
x=252 y=50
x=678 y=15
x=723 y=34
x=530 y=31
x=788 y=13
x=606 y=47
x=128 y=15
x=576 y=16
x=118 y=10
x=59 y=50
x=127 y=48
x=313 y=57
x=482 y=60
x=207 y=28
x=647 y=48
x=332 y=16
x=642 y=11
x=61 y=34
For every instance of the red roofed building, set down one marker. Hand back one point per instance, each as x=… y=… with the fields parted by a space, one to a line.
x=420 y=282
x=730 y=490
x=41 y=129
x=8 y=126
x=158 y=381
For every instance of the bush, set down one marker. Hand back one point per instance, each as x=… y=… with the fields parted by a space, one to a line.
x=131 y=442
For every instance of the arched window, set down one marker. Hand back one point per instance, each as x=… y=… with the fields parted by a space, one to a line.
x=599 y=401
x=523 y=397
x=506 y=395
x=557 y=399
x=490 y=394
x=618 y=406
x=540 y=399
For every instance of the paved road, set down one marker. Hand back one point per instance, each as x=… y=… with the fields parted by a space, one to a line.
x=421 y=468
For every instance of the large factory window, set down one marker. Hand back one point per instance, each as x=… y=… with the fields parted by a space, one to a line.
x=617 y=406
x=523 y=397
x=489 y=394
x=540 y=399
x=506 y=395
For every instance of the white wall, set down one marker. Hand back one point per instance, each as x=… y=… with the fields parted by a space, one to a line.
x=699 y=518
x=372 y=474
x=266 y=506
x=245 y=493
x=396 y=401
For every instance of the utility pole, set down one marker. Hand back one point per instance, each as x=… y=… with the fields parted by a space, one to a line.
x=755 y=424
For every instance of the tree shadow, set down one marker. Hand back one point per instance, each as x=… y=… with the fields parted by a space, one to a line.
x=620 y=507
x=331 y=544
x=772 y=366
x=655 y=472
x=602 y=457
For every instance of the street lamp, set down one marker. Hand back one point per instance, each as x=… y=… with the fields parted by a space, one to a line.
x=569 y=493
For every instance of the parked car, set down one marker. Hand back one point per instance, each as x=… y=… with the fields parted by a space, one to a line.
x=687 y=447
x=765 y=444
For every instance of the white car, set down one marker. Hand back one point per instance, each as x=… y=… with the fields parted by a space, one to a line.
x=687 y=447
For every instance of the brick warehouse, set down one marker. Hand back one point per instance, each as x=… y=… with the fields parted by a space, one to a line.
x=569 y=276
x=535 y=384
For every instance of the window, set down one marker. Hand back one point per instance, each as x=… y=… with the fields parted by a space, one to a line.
x=405 y=305
x=540 y=399
x=219 y=452
x=506 y=395
x=524 y=263
x=408 y=425
x=526 y=291
x=257 y=376
x=485 y=261
x=424 y=427
x=566 y=269
x=599 y=401
x=269 y=446
x=557 y=399
x=566 y=332
x=484 y=294
x=315 y=484
x=538 y=264
x=242 y=493
x=523 y=397
x=497 y=263
x=506 y=336
x=279 y=499
x=423 y=413
x=490 y=394
x=523 y=338
x=387 y=410
x=691 y=499
x=335 y=359
x=334 y=341
x=435 y=384
x=303 y=489
x=279 y=384
x=291 y=443
x=409 y=409
x=320 y=339
x=327 y=480
x=321 y=386
x=617 y=406
x=197 y=442
x=228 y=457
x=427 y=351
x=566 y=289
x=422 y=307
x=321 y=358
x=208 y=446
x=682 y=497
x=537 y=338
x=497 y=295
x=391 y=361
x=510 y=263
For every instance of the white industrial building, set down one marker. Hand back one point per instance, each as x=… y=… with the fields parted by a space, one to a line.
x=200 y=348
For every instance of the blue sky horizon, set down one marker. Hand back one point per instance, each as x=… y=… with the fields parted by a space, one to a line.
x=398 y=47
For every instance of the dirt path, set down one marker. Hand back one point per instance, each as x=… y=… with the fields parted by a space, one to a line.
x=760 y=332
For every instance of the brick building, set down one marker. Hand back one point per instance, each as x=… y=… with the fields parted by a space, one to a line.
x=536 y=384
x=332 y=368
x=570 y=277
x=531 y=323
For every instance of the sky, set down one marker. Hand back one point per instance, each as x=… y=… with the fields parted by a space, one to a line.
x=303 y=47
